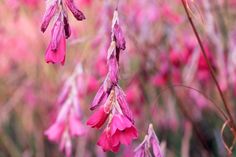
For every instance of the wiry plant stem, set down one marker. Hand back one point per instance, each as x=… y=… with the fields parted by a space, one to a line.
x=232 y=124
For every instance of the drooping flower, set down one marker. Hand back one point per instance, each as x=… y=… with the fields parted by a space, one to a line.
x=119 y=131
x=122 y=129
x=56 y=50
x=110 y=100
x=68 y=124
x=150 y=143
x=61 y=31
x=76 y=12
x=98 y=118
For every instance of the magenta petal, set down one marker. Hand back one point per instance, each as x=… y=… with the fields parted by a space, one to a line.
x=126 y=136
x=75 y=125
x=140 y=153
x=76 y=12
x=57 y=56
x=66 y=145
x=119 y=37
x=154 y=142
x=66 y=27
x=105 y=141
x=98 y=118
x=113 y=70
x=57 y=33
x=49 y=13
x=121 y=98
x=54 y=133
x=156 y=148
x=119 y=122
x=98 y=98
x=64 y=94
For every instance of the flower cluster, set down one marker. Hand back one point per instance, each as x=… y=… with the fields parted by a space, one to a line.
x=69 y=120
x=110 y=100
x=152 y=141
x=56 y=50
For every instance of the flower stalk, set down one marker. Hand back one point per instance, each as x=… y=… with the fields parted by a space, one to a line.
x=226 y=105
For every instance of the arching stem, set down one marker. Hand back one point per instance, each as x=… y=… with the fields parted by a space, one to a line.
x=226 y=106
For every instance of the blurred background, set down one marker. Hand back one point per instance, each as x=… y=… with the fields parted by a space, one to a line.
x=163 y=73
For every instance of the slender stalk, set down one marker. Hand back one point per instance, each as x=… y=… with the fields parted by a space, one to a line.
x=222 y=113
x=188 y=116
x=232 y=124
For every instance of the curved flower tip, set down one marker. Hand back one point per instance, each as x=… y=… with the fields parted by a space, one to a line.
x=54 y=133
x=76 y=12
x=150 y=142
x=113 y=70
x=49 y=13
x=121 y=98
x=66 y=27
x=119 y=37
x=58 y=55
x=98 y=118
x=98 y=98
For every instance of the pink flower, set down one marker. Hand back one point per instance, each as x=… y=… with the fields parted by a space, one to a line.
x=69 y=120
x=49 y=13
x=113 y=70
x=98 y=98
x=61 y=31
x=154 y=142
x=57 y=56
x=119 y=37
x=121 y=98
x=122 y=130
x=76 y=127
x=54 y=133
x=66 y=144
x=56 y=50
x=150 y=141
x=119 y=131
x=106 y=142
x=98 y=118
x=66 y=27
x=76 y=12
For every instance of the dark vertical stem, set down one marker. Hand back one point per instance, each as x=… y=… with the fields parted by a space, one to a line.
x=232 y=124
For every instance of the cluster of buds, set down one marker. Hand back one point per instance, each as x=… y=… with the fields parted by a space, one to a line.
x=150 y=141
x=110 y=101
x=56 y=50
x=69 y=120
